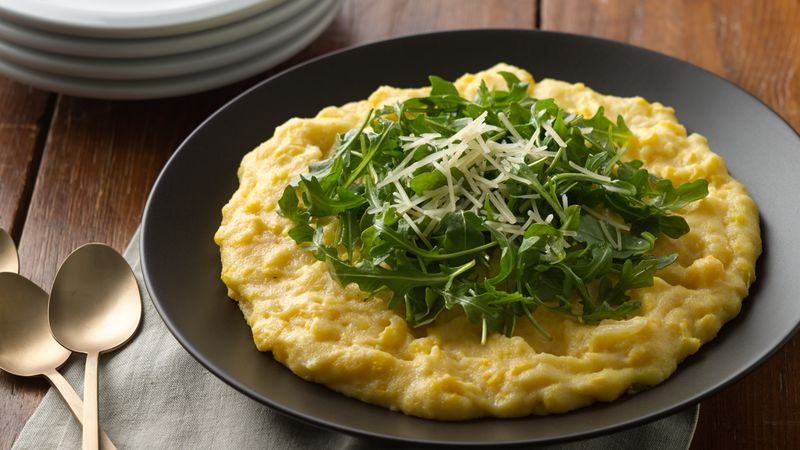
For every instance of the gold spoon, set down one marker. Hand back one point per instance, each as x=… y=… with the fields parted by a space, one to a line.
x=95 y=307
x=9 y=260
x=26 y=346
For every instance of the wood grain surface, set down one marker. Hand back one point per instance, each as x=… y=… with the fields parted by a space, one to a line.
x=24 y=119
x=755 y=44
x=76 y=170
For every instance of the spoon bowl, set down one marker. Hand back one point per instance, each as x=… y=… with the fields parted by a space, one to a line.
x=9 y=260
x=27 y=348
x=95 y=306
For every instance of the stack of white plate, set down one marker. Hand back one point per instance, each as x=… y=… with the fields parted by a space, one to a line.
x=135 y=49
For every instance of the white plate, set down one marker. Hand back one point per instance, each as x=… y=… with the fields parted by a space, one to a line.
x=130 y=18
x=165 y=66
x=173 y=86
x=33 y=38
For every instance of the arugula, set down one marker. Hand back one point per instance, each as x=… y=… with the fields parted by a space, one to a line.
x=498 y=205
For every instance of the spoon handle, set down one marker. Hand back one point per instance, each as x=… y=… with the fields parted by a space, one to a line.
x=75 y=404
x=90 y=413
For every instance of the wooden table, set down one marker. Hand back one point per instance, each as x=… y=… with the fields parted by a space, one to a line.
x=74 y=170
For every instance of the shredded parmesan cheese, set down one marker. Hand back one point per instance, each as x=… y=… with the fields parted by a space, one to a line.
x=548 y=129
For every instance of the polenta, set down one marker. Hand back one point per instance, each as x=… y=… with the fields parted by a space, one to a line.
x=337 y=335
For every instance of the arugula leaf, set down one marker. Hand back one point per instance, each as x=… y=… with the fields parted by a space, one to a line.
x=404 y=243
x=427 y=181
x=597 y=264
x=606 y=311
x=321 y=204
x=288 y=205
x=460 y=232
x=508 y=257
x=671 y=198
x=606 y=132
x=350 y=231
x=371 y=278
x=440 y=86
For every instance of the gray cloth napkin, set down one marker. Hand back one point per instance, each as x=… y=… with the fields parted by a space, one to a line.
x=153 y=394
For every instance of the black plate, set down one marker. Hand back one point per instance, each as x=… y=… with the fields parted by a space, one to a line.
x=181 y=262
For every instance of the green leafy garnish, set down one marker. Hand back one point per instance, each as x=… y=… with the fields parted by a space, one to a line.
x=498 y=205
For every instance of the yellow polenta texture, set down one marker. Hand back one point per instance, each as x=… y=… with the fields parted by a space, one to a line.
x=329 y=334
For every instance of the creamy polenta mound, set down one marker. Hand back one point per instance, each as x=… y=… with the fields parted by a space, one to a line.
x=337 y=336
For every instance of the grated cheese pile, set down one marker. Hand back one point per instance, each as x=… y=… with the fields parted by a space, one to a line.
x=472 y=154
